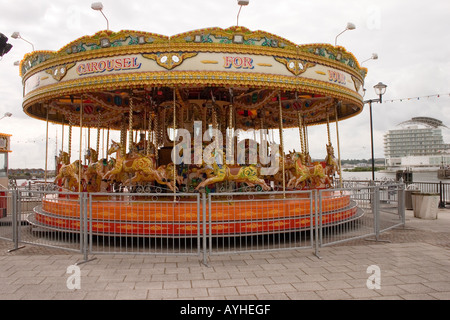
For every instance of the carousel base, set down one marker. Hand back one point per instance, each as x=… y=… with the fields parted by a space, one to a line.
x=263 y=215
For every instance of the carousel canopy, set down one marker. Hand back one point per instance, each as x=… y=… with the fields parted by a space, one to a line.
x=256 y=72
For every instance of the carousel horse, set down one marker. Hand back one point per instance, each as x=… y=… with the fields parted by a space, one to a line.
x=143 y=168
x=302 y=174
x=318 y=178
x=331 y=164
x=63 y=158
x=308 y=175
x=289 y=167
x=247 y=174
x=163 y=175
x=95 y=171
x=68 y=173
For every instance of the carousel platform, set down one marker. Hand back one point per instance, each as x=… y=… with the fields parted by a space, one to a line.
x=169 y=218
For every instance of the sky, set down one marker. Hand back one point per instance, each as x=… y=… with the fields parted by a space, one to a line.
x=410 y=37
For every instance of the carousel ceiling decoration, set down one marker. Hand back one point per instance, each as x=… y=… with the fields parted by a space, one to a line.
x=254 y=71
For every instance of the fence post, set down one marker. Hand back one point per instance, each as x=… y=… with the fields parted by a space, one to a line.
x=317 y=216
x=15 y=220
x=376 y=210
x=401 y=202
x=205 y=249
x=441 y=195
x=84 y=231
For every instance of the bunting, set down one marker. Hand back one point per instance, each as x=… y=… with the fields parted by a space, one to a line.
x=418 y=98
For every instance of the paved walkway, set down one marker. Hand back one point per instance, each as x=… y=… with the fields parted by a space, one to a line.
x=415 y=264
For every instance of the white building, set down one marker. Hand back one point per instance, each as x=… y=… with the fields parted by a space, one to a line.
x=417 y=145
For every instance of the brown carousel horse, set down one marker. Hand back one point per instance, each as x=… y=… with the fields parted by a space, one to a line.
x=142 y=167
x=95 y=170
x=302 y=174
x=68 y=173
x=331 y=164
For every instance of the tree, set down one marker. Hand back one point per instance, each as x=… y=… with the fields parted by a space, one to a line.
x=4 y=45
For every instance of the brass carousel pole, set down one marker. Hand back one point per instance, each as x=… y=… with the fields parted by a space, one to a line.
x=123 y=140
x=62 y=137
x=328 y=128
x=70 y=138
x=89 y=138
x=46 y=149
x=280 y=108
x=149 y=134
x=156 y=135
x=81 y=142
x=98 y=141
x=300 y=130
x=339 y=149
x=130 y=125
x=174 y=140
x=107 y=144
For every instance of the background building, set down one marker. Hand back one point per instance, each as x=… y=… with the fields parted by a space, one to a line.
x=4 y=151
x=417 y=145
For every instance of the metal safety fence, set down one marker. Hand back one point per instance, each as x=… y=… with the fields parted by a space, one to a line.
x=353 y=219
x=144 y=223
x=198 y=224
x=50 y=223
x=259 y=221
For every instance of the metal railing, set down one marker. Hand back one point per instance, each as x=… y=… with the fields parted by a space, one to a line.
x=198 y=224
x=144 y=223
x=55 y=229
x=360 y=224
x=442 y=188
x=258 y=221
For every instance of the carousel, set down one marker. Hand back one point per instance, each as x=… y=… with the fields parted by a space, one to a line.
x=197 y=112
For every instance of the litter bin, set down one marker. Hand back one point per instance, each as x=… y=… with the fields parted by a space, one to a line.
x=408 y=198
x=425 y=205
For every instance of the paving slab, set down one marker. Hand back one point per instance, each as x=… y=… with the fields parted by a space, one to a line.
x=413 y=264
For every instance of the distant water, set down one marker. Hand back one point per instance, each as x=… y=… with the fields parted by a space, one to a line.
x=367 y=175
x=417 y=176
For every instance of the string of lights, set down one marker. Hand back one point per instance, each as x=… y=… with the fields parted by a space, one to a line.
x=418 y=98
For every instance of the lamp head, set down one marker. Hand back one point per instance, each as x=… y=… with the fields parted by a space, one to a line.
x=15 y=35
x=97 y=6
x=350 y=26
x=8 y=114
x=374 y=56
x=243 y=2
x=380 y=88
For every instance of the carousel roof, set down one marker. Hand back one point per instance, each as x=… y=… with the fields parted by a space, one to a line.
x=102 y=75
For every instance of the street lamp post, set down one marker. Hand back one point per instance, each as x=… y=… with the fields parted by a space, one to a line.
x=7 y=114
x=350 y=26
x=98 y=6
x=373 y=57
x=380 y=89
x=241 y=3
x=16 y=35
